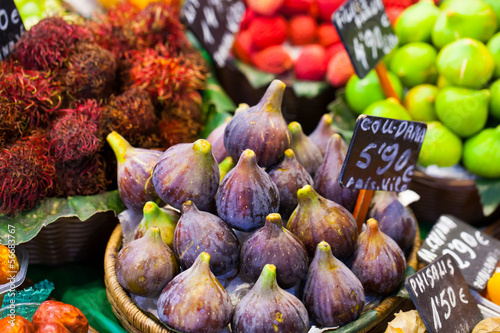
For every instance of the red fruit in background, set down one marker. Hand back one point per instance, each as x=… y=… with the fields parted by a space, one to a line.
x=268 y=31
x=302 y=30
x=311 y=63
x=247 y=18
x=265 y=7
x=296 y=7
x=243 y=47
x=327 y=35
x=339 y=69
x=273 y=59
x=394 y=13
x=16 y=325
x=327 y=7
x=334 y=49
x=398 y=3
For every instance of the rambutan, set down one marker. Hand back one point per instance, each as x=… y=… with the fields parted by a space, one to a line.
x=85 y=179
x=167 y=79
x=35 y=92
x=74 y=136
x=91 y=72
x=26 y=173
x=13 y=121
x=132 y=114
x=48 y=45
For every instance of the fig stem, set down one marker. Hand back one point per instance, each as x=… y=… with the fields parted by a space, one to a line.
x=295 y=128
x=119 y=145
x=202 y=146
x=307 y=196
x=289 y=153
x=325 y=256
x=274 y=96
x=154 y=233
x=274 y=222
x=267 y=278
x=151 y=212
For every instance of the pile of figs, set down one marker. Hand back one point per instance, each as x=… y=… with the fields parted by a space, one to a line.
x=277 y=218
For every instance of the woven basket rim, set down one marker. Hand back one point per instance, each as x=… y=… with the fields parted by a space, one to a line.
x=128 y=312
x=422 y=177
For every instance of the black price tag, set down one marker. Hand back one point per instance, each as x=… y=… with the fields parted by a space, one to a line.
x=382 y=154
x=476 y=253
x=11 y=27
x=442 y=297
x=214 y=23
x=366 y=32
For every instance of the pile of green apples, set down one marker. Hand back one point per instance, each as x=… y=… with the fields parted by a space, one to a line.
x=446 y=71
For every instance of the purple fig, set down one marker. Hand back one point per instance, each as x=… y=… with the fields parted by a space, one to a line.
x=163 y=218
x=195 y=301
x=316 y=219
x=247 y=195
x=323 y=132
x=333 y=295
x=187 y=171
x=306 y=151
x=225 y=166
x=378 y=261
x=198 y=232
x=394 y=219
x=145 y=265
x=289 y=176
x=216 y=139
x=326 y=180
x=260 y=128
x=273 y=244
x=269 y=309
x=135 y=169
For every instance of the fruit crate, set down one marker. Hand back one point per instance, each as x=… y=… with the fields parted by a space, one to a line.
x=134 y=320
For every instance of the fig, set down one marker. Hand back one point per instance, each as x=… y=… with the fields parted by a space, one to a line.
x=322 y=132
x=267 y=308
x=416 y=22
x=494 y=48
x=482 y=153
x=464 y=111
x=388 y=108
x=260 y=128
x=187 y=171
x=273 y=244
x=289 y=176
x=466 y=63
x=195 y=301
x=441 y=146
x=419 y=102
x=394 y=219
x=199 y=232
x=378 y=261
x=135 y=169
x=145 y=265
x=333 y=295
x=306 y=151
x=216 y=139
x=459 y=19
x=495 y=5
x=414 y=64
x=247 y=195
x=495 y=99
x=317 y=218
x=225 y=166
x=326 y=180
x=164 y=219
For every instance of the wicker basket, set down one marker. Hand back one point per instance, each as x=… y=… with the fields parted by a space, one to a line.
x=134 y=320
x=440 y=196
x=69 y=239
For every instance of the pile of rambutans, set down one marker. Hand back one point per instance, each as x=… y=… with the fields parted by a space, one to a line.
x=68 y=84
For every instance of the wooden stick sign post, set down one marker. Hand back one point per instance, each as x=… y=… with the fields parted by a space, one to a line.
x=367 y=35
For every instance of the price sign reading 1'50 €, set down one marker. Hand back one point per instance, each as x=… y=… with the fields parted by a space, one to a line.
x=382 y=154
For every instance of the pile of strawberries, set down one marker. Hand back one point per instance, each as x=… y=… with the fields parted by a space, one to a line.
x=297 y=37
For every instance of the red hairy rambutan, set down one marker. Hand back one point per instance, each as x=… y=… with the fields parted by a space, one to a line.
x=13 y=121
x=91 y=72
x=26 y=173
x=48 y=45
x=167 y=79
x=74 y=136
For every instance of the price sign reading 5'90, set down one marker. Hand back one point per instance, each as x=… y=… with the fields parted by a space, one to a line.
x=382 y=154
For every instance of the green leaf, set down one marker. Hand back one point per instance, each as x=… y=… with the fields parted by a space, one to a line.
x=28 y=224
x=255 y=77
x=489 y=192
x=344 y=119
x=309 y=89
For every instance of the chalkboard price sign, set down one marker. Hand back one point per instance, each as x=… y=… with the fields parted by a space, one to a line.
x=476 y=254
x=366 y=32
x=11 y=27
x=214 y=23
x=382 y=154
x=442 y=297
